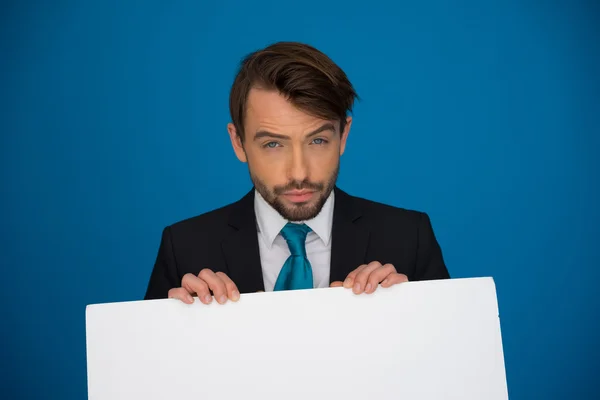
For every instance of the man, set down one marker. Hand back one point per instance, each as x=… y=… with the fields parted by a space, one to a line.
x=295 y=229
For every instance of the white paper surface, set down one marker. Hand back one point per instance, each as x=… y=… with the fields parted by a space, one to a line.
x=418 y=340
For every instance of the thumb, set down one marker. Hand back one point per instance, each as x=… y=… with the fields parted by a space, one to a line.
x=337 y=284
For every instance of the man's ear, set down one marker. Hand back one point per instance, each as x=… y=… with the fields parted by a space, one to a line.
x=344 y=135
x=236 y=143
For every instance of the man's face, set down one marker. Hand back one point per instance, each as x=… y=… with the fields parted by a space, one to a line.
x=293 y=158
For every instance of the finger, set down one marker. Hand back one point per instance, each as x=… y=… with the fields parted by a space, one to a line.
x=216 y=285
x=337 y=284
x=192 y=284
x=377 y=276
x=180 y=294
x=349 y=282
x=394 y=279
x=231 y=289
x=360 y=282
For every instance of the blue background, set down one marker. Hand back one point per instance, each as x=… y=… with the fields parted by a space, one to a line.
x=486 y=115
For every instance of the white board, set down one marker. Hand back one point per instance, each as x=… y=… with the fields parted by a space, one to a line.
x=417 y=340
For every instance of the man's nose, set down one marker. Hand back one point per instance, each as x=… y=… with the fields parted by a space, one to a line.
x=298 y=168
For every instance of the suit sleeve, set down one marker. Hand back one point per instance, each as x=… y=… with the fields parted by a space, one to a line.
x=164 y=274
x=430 y=262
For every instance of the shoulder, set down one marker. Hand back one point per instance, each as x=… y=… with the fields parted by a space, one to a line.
x=209 y=219
x=383 y=219
x=377 y=211
x=214 y=223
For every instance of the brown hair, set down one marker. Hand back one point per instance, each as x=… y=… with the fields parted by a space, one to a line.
x=305 y=76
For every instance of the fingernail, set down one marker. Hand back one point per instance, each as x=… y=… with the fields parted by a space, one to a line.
x=235 y=295
x=207 y=298
x=369 y=286
x=190 y=299
x=357 y=287
x=222 y=299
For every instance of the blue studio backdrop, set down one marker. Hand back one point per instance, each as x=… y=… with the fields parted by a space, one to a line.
x=484 y=114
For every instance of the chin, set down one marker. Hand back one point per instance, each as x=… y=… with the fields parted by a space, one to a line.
x=298 y=211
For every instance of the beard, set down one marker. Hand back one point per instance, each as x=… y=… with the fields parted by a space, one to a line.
x=297 y=211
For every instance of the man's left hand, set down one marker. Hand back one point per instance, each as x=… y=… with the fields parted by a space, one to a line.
x=367 y=277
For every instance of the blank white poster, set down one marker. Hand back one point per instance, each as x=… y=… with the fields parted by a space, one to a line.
x=417 y=340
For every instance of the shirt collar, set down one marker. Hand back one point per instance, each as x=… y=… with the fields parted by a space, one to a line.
x=270 y=222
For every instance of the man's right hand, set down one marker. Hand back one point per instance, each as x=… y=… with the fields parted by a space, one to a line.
x=202 y=285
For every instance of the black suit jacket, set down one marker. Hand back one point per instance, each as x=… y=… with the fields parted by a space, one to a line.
x=226 y=240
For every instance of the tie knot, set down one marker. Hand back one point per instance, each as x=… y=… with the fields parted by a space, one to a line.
x=295 y=236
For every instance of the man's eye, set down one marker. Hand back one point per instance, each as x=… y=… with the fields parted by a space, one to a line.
x=319 y=141
x=271 y=145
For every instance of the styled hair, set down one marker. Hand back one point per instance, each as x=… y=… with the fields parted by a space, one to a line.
x=305 y=76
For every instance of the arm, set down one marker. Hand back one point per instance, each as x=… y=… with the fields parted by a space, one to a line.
x=430 y=262
x=429 y=265
x=164 y=275
x=166 y=282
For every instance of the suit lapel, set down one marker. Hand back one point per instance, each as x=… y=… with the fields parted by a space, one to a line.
x=240 y=248
x=349 y=241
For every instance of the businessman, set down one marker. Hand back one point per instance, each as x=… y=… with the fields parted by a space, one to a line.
x=295 y=229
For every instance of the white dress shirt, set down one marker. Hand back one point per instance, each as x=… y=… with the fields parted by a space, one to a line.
x=274 y=250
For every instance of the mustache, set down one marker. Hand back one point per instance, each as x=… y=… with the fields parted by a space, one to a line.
x=298 y=185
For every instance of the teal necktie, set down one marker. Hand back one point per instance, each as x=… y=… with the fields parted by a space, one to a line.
x=296 y=272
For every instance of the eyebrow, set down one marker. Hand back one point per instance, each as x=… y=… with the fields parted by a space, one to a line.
x=262 y=134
